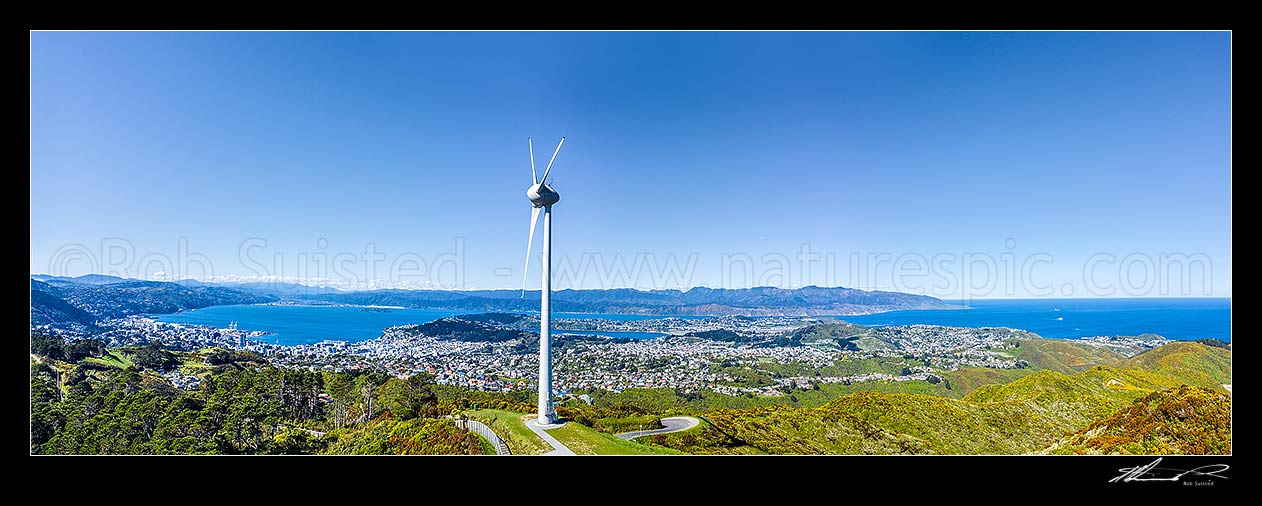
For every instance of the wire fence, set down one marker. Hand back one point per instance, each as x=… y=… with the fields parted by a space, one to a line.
x=501 y=447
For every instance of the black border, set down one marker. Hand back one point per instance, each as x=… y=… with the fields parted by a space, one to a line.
x=642 y=479
x=650 y=478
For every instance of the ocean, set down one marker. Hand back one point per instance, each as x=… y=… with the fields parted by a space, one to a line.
x=1184 y=319
x=1063 y=318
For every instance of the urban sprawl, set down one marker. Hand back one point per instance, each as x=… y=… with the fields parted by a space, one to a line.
x=675 y=360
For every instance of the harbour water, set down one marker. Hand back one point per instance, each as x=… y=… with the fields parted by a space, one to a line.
x=1062 y=318
x=1184 y=319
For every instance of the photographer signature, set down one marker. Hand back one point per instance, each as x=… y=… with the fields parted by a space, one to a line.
x=1151 y=472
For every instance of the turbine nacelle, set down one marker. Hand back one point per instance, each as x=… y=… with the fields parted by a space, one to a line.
x=542 y=195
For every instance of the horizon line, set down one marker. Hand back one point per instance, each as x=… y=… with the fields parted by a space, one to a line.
x=678 y=289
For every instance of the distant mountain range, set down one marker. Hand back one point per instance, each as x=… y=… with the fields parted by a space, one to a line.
x=86 y=279
x=807 y=301
x=273 y=288
x=80 y=301
x=74 y=305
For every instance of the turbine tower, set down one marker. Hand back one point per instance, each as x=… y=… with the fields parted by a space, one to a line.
x=542 y=197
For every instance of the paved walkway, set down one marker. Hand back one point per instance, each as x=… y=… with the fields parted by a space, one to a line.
x=670 y=424
x=558 y=448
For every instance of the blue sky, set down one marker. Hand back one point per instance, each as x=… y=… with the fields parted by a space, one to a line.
x=955 y=164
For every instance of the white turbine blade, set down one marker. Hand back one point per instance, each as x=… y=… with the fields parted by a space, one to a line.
x=534 y=177
x=554 y=158
x=534 y=219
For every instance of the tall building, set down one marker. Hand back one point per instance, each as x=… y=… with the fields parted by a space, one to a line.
x=240 y=335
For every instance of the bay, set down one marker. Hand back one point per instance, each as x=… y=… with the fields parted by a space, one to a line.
x=291 y=325
x=1057 y=318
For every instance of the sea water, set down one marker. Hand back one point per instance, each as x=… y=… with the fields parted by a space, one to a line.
x=1064 y=318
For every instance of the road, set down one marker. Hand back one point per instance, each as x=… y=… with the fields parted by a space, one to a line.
x=670 y=424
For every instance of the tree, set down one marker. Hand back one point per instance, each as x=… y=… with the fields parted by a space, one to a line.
x=366 y=394
x=154 y=357
x=83 y=348
x=407 y=398
x=340 y=388
x=46 y=418
x=47 y=346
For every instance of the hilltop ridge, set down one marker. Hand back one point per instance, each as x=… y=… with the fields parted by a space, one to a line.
x=1026 y=415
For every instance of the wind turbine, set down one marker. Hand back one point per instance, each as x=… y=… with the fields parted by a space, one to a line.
x=542 y=197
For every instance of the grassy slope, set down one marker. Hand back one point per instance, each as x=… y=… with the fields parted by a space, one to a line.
x=1062 y=355
x=1023 y=416
x=511 y=426
x=703 y=439
x=584 y=440
x=112 y=357
x=581 y=439
x=1182 y=420
x=1192 y=363
x=831 y=336
x=968 y=379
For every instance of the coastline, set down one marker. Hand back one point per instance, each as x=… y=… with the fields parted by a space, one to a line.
x=1033 y=315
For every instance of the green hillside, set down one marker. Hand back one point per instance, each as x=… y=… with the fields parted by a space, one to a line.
x=511 y=425
x=584 y=440
x=391 y=436
x=834 y=336
x=1062 y=355
x=1074 y=398
x=113 y=401
x=1183 y=420
x=1028 y=414
x=1190 y=362
x=963 y=381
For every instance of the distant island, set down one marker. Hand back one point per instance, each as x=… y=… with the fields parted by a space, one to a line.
x=78 y=303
